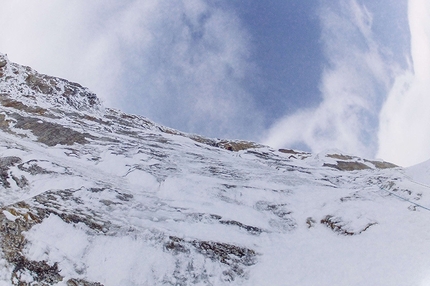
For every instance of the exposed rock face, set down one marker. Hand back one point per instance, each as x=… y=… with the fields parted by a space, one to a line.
x=91 y=196
x=13 y=241
x=3 y=62
x=5 y=164
x=353 y=163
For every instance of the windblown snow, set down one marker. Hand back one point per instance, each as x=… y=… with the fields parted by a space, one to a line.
x=93 y=196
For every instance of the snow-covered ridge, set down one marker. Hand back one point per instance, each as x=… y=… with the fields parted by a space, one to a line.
x=94 y=196
x=29 y=92
x=39 y=90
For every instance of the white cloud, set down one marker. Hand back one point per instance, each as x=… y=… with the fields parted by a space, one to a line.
x=63 y=38
x=346 y=118
x=180 y=63
x=404 y=134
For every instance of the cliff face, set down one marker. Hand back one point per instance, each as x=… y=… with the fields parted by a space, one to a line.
x=94 y=196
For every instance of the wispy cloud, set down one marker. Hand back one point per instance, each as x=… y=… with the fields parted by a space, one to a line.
x=180 y=63
x=352 y=87
x=404 y=134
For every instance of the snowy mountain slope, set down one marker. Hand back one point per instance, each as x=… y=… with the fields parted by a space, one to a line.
x=93 y=196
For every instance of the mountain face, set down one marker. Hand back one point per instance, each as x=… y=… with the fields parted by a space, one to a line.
x=94 y=196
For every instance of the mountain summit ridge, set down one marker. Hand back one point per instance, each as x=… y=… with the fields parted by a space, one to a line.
x=25 y=83
x=95 y=196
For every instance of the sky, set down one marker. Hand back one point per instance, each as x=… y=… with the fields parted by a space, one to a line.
x=351 y=75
